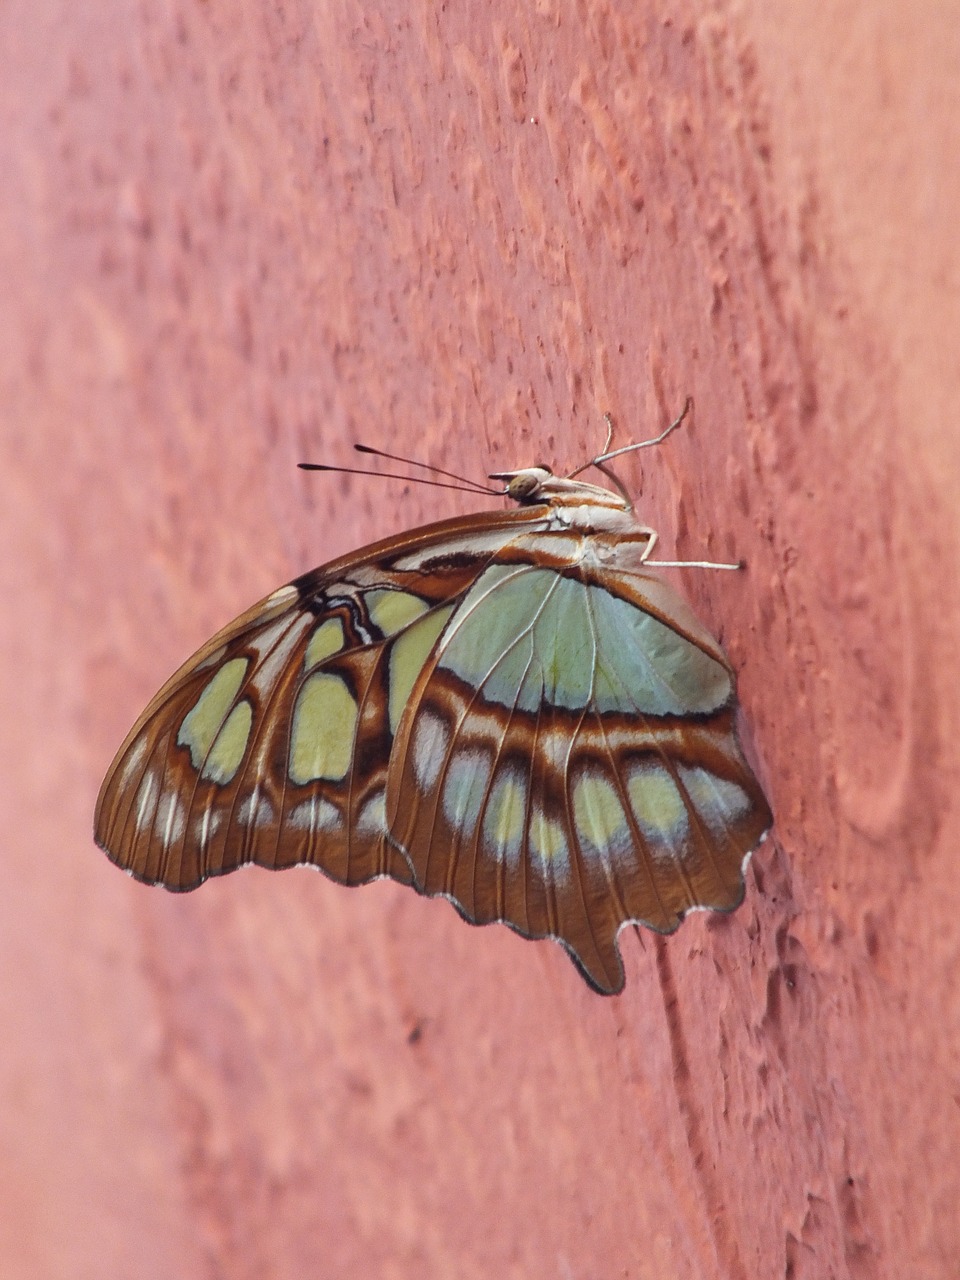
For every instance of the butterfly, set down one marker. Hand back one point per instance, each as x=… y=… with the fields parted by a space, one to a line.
x=510 y=709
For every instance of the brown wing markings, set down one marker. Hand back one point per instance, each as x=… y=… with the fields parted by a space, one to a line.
x=577 y=860
x=524 y=862
x=703 y=837
x=397 y=757
x=375 y=673
x=577 y=869
x=262 y=723
x=640 y=844
x=538 y=772
x=361 y=666
x=707 y=841
x=108 y=811
x=164 y=754
x=242 y=838
x=289 y=685
x=514 y=908
x=423 y=851
x=428 y=674
x=670 y=916
x=137 y=850
x=728 y=747
x=503 y=741
x=110 y=808
x=289 y=682
x=347 y=664
x=145 y=832
x=524 y=869
x=293 y=693
x=554 y=721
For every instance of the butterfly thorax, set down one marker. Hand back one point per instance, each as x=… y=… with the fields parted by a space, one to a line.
x=573 y=504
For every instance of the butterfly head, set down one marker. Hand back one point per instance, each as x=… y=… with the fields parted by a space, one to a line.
x=527 y=486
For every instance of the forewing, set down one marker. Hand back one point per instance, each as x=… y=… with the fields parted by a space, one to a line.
x=271 y=745
x=569 y=763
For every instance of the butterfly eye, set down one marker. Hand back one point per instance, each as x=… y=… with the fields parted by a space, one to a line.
x=524 y=486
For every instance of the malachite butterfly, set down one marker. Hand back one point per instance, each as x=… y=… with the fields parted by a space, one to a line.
x=509 y=709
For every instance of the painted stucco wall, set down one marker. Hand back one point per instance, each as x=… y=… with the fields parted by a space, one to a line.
x=232 y=237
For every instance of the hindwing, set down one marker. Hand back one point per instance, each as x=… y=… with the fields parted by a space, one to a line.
x=569 y=762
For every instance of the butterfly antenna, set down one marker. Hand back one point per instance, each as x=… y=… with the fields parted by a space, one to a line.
x=412 y=462
x=462 y=484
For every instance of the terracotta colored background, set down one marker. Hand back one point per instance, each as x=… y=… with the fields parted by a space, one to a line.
x=233 y=236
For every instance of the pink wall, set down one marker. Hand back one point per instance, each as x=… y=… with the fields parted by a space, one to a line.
x=235 y=236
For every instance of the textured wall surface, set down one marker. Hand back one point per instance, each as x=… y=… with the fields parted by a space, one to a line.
x=235 y=236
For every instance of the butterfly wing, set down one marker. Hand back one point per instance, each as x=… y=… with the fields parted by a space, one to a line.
x=272 y=744
x=478 y=709
x=568 y=761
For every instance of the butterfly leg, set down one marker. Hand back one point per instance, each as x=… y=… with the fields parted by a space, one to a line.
x=652 y=536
